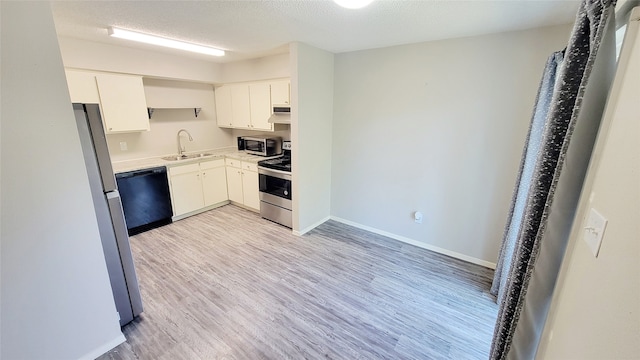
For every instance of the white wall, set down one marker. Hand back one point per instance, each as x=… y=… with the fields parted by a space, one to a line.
x=311 y=134
x=165 y=123
x=82 y=54
x=595 y=312
x=437 y=127
x=265 y=68
x=56 y=298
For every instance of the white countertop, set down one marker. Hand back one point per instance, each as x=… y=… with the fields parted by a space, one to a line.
x=137 y=164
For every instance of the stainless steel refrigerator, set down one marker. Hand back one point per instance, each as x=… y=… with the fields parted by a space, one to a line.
x=109 y=213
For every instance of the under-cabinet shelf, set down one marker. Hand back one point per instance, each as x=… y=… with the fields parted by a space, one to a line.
x=151 y=110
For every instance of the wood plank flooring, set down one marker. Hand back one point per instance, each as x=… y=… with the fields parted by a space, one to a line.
x=227 y=284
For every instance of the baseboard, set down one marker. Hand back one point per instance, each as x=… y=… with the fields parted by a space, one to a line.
x=95 y=353
x=201 y=210
x=417 y=243
x=309 y=228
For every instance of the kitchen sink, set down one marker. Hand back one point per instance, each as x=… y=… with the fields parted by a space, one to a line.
x=185 y=156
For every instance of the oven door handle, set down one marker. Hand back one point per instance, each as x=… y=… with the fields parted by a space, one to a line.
x=275 y=173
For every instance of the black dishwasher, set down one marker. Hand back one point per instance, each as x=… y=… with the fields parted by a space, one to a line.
x=146 y=200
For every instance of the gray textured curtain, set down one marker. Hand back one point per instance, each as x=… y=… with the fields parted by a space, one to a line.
x=555 y=117
x=525 y=175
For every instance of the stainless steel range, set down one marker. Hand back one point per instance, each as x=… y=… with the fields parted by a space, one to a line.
x=275 y=188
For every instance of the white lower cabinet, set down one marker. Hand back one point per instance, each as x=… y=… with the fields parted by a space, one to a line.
x=250 y=189
x=197 y=186
x=234 y=184
x=242 y=183
x=214 y=182
x=186 y=190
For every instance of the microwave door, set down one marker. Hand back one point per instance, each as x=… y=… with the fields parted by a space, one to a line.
x=255 y=146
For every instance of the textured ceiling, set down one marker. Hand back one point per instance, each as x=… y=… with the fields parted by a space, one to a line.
x=250 y=29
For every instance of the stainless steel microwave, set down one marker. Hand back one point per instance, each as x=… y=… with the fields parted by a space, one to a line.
x=263 y=145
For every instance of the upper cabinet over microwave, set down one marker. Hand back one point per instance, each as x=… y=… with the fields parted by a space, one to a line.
x=280 y=93
x=250 y=105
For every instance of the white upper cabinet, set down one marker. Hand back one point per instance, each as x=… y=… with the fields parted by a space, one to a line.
x=240 y=106
x=280 y=93
x=223 y=106
x=82 y=87
x=121 y=98
x=123 y=103
x=260 y=102
x=249 y=105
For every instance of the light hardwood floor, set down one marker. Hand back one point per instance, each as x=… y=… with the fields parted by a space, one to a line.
x=227 y=284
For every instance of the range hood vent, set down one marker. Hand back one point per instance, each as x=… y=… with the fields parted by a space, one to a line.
x=281 y=114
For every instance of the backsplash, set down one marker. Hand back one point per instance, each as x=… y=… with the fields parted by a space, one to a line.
x=162 y=139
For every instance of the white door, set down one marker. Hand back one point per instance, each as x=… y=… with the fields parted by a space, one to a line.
x=123 y=103
x=234 y=184
x=214 y=185
x=187 y=193
x=240 y=106
x=223 y=106
x=251 y=189
x=280 y=93
x=260 y=97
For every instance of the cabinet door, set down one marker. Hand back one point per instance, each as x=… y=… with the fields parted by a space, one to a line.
x=280 y=93
x=240 y=108
x=234 y=184
x=82 y=87
x=214 y=185
x=260 y=97
x=186 y=190
x=223 y=106
x=123 y=104
x=251 y=189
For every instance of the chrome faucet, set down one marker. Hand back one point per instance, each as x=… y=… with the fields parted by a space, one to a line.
x=181 y=148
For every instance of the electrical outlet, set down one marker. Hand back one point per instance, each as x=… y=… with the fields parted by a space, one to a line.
x=417 y=217
x=123 y=146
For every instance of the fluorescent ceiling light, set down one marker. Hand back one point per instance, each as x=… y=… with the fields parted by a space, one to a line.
x=155 y=40
x=353 y=4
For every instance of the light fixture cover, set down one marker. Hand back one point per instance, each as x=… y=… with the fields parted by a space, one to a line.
x=160 y=41
x=353 y=4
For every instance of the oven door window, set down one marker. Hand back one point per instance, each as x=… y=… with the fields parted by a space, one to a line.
x=252 y=145
x=275 y=186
